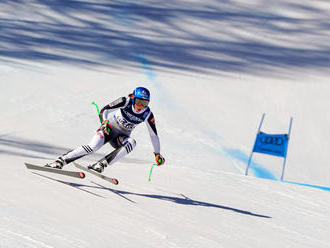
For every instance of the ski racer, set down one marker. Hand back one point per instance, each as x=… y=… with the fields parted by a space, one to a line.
x=119 y=118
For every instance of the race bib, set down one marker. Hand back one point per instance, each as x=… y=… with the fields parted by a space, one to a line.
x=124 y=124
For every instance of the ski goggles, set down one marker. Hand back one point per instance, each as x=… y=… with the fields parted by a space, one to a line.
x=141 y=101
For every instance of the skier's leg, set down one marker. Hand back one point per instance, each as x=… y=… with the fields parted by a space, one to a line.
x=96 y=143
x=125 y=146
x=128 y=144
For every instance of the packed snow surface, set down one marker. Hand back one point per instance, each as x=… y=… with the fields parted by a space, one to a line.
x=213 y=68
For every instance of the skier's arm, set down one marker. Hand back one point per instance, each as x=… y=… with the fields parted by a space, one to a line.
x=150 y=121
x=119 y=103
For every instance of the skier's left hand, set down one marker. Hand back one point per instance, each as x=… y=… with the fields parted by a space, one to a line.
x=159 y=159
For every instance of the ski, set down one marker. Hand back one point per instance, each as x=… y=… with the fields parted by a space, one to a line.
x=77 y=174
x=109 y=179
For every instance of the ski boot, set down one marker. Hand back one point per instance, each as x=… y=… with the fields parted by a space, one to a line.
x=57 y=164
x=99 y=166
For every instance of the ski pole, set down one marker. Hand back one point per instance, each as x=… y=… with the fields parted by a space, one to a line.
x=151 y=171
x=98 y=111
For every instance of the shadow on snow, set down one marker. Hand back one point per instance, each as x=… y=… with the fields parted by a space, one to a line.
x=39 y=150
x=178 y=200
x=201 y=36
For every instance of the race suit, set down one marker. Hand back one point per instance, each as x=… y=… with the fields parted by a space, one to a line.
x=123 y=119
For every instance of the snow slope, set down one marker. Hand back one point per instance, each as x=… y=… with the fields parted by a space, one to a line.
x=213 y=68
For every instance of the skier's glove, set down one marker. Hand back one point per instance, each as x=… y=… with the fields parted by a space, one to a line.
x=105 y=127
x=159 y=159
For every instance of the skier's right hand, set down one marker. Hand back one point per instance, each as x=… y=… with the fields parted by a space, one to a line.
x=105 y=127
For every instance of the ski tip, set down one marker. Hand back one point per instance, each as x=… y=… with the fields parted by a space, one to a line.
x=82 y=174
x=115 y=181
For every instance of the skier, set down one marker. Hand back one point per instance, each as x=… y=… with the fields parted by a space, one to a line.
x=118 y=118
